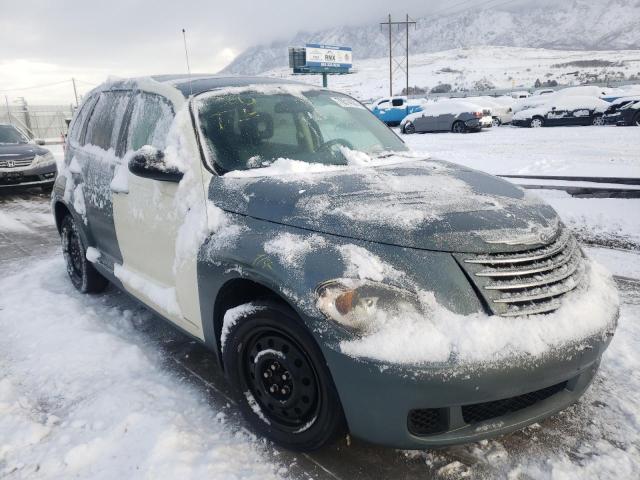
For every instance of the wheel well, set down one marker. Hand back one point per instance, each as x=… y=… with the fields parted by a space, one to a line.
x=236 y=292
x=60 y=211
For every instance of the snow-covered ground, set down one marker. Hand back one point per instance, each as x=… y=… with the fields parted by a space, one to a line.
x=498 y=67
x=96 y=387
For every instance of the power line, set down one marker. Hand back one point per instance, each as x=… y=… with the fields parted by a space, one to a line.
x=34 y=86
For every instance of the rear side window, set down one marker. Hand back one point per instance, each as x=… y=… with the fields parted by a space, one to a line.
x=106 y=119
x=80 y=119
x=150 y=121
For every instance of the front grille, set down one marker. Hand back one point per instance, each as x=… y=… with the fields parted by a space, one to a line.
x=480 y=412
x=25 y=162
x=427 y=421
x=529 y=282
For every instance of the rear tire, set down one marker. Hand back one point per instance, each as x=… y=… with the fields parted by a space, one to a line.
x=409 y=128
x=536 y=122
x=458 y=127
x=495 y=122
x=636 y=120
x=82 y=273
x=280 y=379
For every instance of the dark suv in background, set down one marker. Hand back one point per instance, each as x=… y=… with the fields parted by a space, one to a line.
x=23 y=163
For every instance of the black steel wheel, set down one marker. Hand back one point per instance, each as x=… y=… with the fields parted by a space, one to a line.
x=458 y=127
x=281 y=380
x=409 y=128
x=82 y=273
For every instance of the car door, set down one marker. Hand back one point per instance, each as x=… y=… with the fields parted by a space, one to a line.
x=94 y=164
x=581 y=116
x=147 y=219
x=556 y=116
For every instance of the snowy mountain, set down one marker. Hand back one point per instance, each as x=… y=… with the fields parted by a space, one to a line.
x=484 y=67
x=569 y=25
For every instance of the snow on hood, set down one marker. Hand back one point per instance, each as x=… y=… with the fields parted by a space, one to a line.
x=418 y=203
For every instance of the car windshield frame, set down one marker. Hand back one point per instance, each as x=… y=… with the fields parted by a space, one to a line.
x=390 y=141
x=22 y=139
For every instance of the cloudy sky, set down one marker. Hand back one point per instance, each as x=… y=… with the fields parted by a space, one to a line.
x=45 y=42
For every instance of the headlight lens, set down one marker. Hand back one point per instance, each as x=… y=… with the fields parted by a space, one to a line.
x=43 y=159
x=364 y=306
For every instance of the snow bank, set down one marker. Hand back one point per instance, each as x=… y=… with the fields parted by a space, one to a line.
x=90 y=396
x=435 y=334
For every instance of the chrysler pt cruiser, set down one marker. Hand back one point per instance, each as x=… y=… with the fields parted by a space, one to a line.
x=344 y=282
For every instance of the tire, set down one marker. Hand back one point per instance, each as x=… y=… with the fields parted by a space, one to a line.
x=536 y=122
x=280 y=379
x=495 y=122
x=598 y=120
x=82 y=273
x=409 y=128
x=458 y=127
x=636 y=120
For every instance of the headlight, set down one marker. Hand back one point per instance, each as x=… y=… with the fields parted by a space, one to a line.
x=364 y=306
x=42 y=159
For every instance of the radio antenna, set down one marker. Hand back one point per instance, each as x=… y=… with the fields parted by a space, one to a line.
x=186 y=55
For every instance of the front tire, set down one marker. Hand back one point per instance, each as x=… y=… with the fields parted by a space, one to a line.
x=280 y=379
x=495 y=122
x=82 y=273
x=636 y=120
x=598 y=120
x=536 y=122
x=458 y=127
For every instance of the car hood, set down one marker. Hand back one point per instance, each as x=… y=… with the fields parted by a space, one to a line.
x=21 y=151
x=423 y=204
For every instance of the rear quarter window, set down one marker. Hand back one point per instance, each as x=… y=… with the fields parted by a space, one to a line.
x=105 y=122
x=79 y=120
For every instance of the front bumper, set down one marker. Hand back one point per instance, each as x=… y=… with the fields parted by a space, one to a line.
x=521 y=123
x=31 y=176
x=380 y=401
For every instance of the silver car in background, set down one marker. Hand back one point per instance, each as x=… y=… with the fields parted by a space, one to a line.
x=447 y=116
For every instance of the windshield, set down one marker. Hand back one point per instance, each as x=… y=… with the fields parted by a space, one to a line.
x=250 y=130
x=9 y=134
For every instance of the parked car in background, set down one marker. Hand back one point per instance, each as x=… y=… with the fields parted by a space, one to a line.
x=22 y=162
x=520 y=94
x=628 y=114
x=339 y=279
x=543 y=91
x=447 y=116
x=391 y=110
x=500 y=107
x=570 y=110
x=612 y=115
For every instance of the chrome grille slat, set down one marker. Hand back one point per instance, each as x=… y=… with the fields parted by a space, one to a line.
x=565 y=257
x=532 y=256
x=528 y=282
x=16 y=163
x=571 y=283
x=545 y=280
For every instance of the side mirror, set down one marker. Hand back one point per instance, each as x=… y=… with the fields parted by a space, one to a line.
x=39 y=141
x=149 y=163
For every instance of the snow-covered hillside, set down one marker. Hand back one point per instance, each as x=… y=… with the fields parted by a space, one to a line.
x=467 y=68
x=569 y=25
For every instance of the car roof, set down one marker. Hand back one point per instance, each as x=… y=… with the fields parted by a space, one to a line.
x=196 y=83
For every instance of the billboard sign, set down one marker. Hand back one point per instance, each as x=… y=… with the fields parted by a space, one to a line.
x=328 y=56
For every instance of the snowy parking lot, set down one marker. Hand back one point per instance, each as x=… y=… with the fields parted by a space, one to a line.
x=97 y=387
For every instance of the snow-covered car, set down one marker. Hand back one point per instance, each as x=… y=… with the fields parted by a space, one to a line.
x=628 y=115
x=569 y=110
x=500 y=108
x=23 y=163
x=543 y=91
x=343 y=282
x=520 y=94
x=447 y=116
x=614 y=114
x=391 y=110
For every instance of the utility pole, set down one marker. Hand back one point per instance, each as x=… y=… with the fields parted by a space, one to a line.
x=75 y=91
x=389 y=23
x=6 y=99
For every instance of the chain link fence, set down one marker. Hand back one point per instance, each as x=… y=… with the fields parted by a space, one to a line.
x=38 y=121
